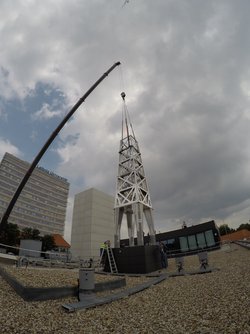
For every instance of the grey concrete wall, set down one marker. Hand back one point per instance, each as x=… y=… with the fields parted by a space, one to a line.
x=30 y=248
x=93 y=223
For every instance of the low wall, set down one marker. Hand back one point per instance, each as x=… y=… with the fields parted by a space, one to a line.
x=35 y=294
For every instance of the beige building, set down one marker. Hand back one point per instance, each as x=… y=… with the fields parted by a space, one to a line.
x=43 y=201
x=93 y=223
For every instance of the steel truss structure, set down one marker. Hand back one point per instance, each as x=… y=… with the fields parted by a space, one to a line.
x=132 y=194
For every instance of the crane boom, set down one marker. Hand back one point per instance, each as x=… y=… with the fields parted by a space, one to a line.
x=26 y=177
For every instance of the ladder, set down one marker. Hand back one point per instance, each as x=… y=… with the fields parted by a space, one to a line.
x=112 y=264
x=108 y=251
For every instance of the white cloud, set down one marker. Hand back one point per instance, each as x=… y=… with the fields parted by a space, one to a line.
x=6 y=146
x=46 y=112
x=186 y=74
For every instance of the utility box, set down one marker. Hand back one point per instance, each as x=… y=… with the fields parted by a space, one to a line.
x=30 y=248
x=86 y=280
x=136 y=259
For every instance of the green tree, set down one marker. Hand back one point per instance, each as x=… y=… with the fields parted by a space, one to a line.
x=10 y=236
x=244 y=227
x=36 y=234
x=26 y=233
x=48 y=243
x=30 y=233
x=13 y=234
x=225 y=229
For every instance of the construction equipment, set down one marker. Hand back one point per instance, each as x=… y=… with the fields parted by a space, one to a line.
x=4 y=220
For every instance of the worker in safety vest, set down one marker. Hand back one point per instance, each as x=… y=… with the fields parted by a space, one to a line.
x=102 y=248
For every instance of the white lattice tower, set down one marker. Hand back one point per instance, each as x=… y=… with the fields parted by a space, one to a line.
x=132 y=194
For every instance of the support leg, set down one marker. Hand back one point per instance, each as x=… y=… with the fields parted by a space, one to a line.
x=139 y=224
x=129 y=213
x=150 y=222
x=118 y=221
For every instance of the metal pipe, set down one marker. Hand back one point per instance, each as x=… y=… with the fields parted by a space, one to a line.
x=5 y=217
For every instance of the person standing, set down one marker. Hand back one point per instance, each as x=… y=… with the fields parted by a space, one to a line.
x=102 y=248
x=163 y=256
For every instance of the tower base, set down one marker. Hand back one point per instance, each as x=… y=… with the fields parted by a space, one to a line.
x=136 y=259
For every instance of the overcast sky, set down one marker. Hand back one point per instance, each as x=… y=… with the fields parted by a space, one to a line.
x=186 y=72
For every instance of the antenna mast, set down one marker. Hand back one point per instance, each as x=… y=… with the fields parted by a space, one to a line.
x=132 y=194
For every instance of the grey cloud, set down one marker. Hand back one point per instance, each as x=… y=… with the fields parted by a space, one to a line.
x=187 y=77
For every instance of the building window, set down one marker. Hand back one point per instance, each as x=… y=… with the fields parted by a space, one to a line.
x=201 y=240
x=210 y=238
x=192 y=242
x=183 y=244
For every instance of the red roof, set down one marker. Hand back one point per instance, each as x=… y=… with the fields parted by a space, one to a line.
x=237 y=235
x=60 y=242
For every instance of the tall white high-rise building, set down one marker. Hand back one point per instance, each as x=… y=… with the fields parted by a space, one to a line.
x=93 y=223
x=43 y=201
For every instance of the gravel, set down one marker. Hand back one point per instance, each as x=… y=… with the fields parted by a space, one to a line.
x=217 y=302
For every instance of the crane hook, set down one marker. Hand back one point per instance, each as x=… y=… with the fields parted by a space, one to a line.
x=123 y=96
